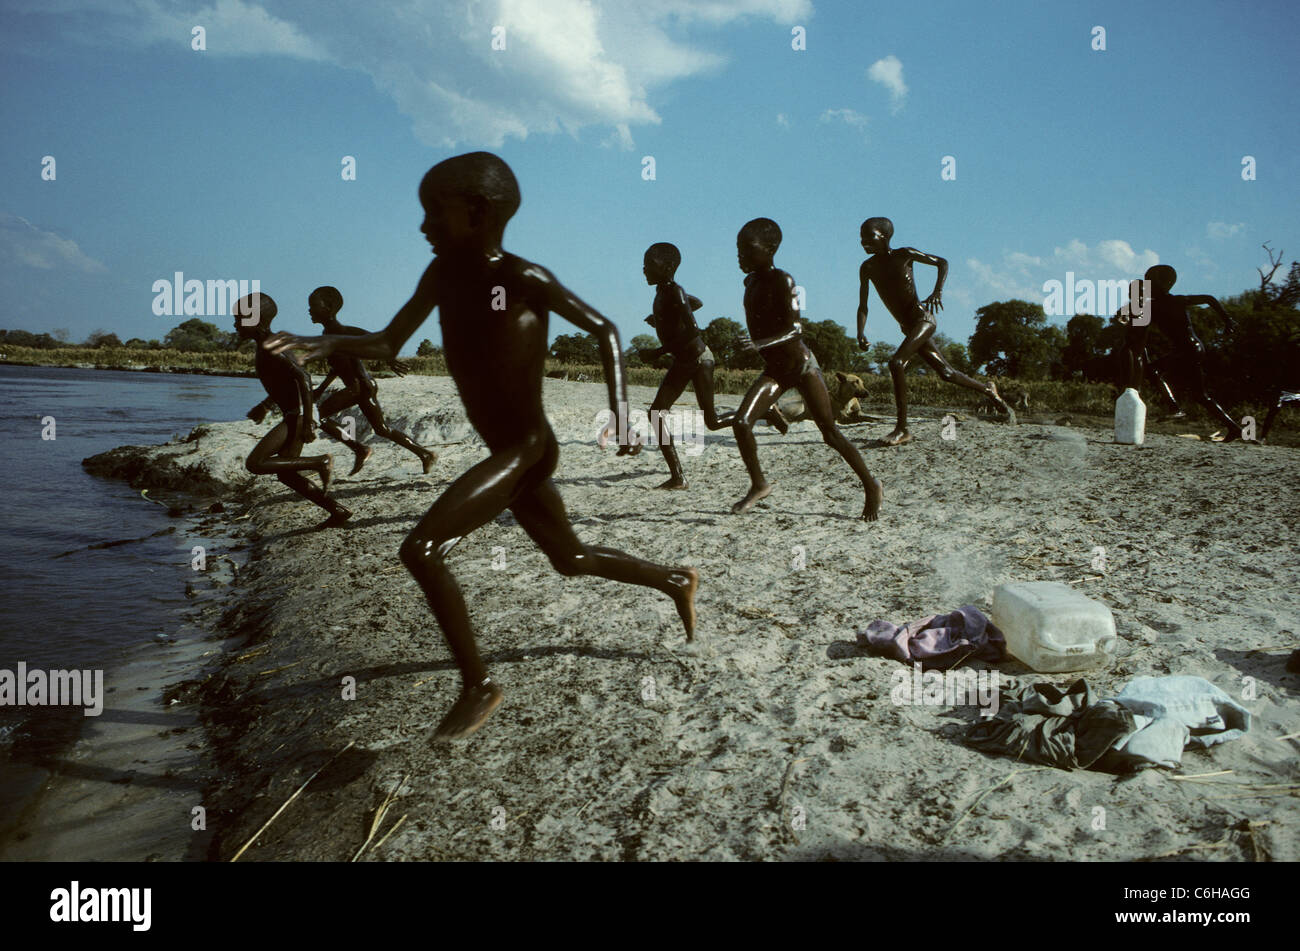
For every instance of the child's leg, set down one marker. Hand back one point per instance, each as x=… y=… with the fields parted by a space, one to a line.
x=333 y=405
x=1135 y=345
x=818 y=400
x=704 y=395
x=472 y=500
x=1153 y=370
x=679 y=374
x=754 y=406
x=370 y=407
x=541 y=513
x=1195 y=375
x=931 y=355
x=914 y=339
x=277 y=453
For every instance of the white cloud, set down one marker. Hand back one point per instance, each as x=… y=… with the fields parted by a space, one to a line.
x=23 y=242
x=847 y=116
x=567 y=64
x=1022 y=275
x=1111 y=259
x=1005 y=283
x=782 y=121
x=889 y=73
x=1221 y=229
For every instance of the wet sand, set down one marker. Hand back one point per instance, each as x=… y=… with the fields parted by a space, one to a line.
x=774 y=737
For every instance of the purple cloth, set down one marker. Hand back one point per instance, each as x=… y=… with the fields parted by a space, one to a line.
x=938 y=641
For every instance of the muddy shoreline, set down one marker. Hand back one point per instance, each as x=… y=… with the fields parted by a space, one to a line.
x=774 y=738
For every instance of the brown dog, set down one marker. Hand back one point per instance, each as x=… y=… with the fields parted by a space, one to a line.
x=845 y=389
x=1016 y=395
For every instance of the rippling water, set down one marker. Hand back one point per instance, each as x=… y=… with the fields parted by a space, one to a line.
x=80 y=610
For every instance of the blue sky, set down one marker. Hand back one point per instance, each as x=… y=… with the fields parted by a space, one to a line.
x=225 y=163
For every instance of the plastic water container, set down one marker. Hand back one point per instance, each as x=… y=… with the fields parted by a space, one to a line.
x=1130 y=418
x=1052 y=627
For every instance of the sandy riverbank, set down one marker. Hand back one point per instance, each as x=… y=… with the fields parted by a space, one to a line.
x=618 y=741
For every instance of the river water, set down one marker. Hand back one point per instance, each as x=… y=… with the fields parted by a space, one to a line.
x=67 y=605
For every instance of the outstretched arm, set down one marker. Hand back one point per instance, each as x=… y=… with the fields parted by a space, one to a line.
x=1213 y=304
x=397 y=366
x=383 y=345
x=935 y=300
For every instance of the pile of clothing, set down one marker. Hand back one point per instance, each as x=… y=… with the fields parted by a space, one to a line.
x=1148 y=723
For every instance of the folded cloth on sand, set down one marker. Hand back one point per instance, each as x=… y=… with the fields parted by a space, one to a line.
x=938 y=641
x=1150 y=723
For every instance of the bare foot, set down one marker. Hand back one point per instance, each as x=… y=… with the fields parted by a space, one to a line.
x=470 y=711
x=777 y=421
x=673 y=483
x=875 y=495
x=684 y=582
x=340 y=515
x=362 y=454
x=428 y=458
x=1006 y=407
x=899 y=436
x=327 y=473
x=747 y=503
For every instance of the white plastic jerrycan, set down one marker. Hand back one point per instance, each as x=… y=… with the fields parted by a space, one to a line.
x=1130 y=418
x=1052 y=627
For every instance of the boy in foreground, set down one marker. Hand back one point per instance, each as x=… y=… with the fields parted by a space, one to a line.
x=493 y=309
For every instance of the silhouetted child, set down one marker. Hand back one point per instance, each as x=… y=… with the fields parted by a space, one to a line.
x=775 y=332
x=1185 y=361
x=692 y=362
x=278 y=453
x=497 y=358
x=890 y=269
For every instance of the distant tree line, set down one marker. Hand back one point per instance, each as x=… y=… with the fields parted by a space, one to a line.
x=192 y=336
x=1011 y=339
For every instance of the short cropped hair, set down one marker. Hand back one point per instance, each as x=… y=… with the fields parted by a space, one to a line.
x=479 y=175
x=884 y=224
x=1162 y=273
x=665 y=254
x=767 y=231
x=329 y=296
x=260 y=304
